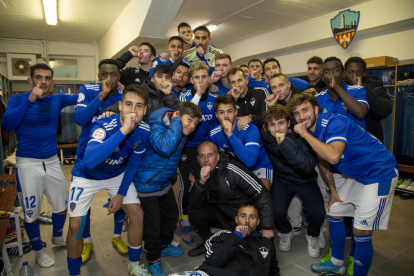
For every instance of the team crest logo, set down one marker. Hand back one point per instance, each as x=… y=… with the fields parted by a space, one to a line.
x=81 y=97
x=264 y=251
x=184 y=157
x=210 y=105
x=99 y=134
x=344 y=27
x=72 y=206
x=252 y=101
x=137 y=80
x=29 y=213
x=237 y=106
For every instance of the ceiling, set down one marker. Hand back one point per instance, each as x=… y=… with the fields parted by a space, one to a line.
x=78 y=20
x=89 y=20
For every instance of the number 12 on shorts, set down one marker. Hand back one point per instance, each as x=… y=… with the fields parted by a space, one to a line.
x=30 y=202
x=72 y=191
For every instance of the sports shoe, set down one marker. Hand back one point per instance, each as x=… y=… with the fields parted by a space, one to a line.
x=187 y=236
x=86 y=251
x=120 y=245
x=321 y=240
x=284 y=243
x=198 y=250
x=296 y=231
x=172 y=251
x=45 y=220
x=327 y=257
x=328 y=267
x=350 y=268
x=313 y=247
x=44 y=260
x=411 y=186
x=175 y=242
x=405 y=184
x=156 y=270
x=138 y=270
x=59 y=241
x=46 y=215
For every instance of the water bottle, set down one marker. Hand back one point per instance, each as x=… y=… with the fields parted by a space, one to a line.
x=26 y=270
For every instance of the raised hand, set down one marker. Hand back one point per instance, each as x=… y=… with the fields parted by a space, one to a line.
x=166 y=87
x=215 y=76
x=164 y=56
x=244 y=230
x=280 y=137
x=301 y=129
x=175 y=56
x=204 y=174
x=200 y=88
x=272 y=99
x=36 y=93
x=200 y=50
x=134 y=51
x=227 y=127
x=235 y=92
x=129 y=124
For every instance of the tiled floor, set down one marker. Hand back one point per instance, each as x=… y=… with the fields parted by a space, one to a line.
x=393 y=249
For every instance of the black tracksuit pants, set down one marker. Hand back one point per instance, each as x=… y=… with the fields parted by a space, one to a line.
x=160 y=220
x=282 y=193
x=188 y=159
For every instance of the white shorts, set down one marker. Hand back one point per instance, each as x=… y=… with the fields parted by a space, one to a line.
x=264 y=173
x=370 y=210
x=82 y=191
x=35 y=177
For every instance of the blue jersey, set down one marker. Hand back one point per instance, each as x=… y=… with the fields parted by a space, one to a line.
x=328 y=105
x=107 y=148
x=209 y=120
x=160 y=60
x=35 y=124
x=222 y=90
x=247 y=145
x=88 y=109
x=365 y=158
x=181 y=92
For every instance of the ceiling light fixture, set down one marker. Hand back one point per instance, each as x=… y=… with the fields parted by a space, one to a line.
x=212 y=27
x=50 y=7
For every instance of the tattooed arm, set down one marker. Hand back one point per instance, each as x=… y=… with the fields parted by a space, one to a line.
x=325 y=170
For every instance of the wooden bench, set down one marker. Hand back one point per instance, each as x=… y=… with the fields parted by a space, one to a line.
x=65 y=146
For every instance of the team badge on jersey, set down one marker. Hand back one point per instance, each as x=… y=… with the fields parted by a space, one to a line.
x=344 y=27
x=184 y=157
x=252 y=101
x=99 y=134
x=72 y=206
x=264 y=251
x=344 y=106
x=81 y=97
x=210 y=105
x=29 y=213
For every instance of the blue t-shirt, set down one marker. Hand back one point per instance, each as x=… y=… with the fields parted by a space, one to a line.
x=35 y=124
x=107 y=149
x=88 y=109
x=365 y=158
x=209 y=120
x=328 y=105
x=247 y=145
x=160 y=60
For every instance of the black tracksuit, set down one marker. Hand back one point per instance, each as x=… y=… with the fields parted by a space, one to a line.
x=319 y=86
x=294 y=164
x=230 y=184
x=131 y=75
x=380 y=105
x=228 y=254
x=254 y=104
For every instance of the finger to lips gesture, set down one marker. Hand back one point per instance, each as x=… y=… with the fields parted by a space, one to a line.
x=166 y=87
x=37 y=93
x=204 y=174
x=272 y=99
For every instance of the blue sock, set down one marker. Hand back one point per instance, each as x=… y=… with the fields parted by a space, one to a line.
x=58 y=223
x=352 y=254
x=134 y=253
x=33 y=232
x=87 y=230
x=363 y=254
x=118 y=221
x=338 y=237
x=74 y=266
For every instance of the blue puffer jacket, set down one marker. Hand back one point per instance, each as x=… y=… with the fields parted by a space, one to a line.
x=159 y=163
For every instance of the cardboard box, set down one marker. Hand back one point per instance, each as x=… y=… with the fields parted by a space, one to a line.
x=380 y=61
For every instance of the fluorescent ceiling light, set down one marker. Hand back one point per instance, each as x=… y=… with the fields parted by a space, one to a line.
x=212 y=27
x=50 y=7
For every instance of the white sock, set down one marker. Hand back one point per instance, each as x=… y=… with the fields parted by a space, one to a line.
x=43 y=259
x=116 y=236
x=185 y=222
x=59 y=240
x=337 y=262
x=88 y=239
x=132 y=264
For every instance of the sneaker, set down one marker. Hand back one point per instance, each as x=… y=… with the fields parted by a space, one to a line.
x=138 y=270
x=313 y=247
x=405 y=184
x=156 y=270
x=46 y=215
x=328 y=267
x=350 y=269
x=198 y=250
x=187 y=236
x=411 y=186
x=45 y=220
x=321 y=240
x=296 y=231
x=172 y=251
x=175 y=242
x=284 y=243
x=125 y=225
x=59 y=241
x=327 y=257
x=44 y=260
x=120 y=245
x=86 y=251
